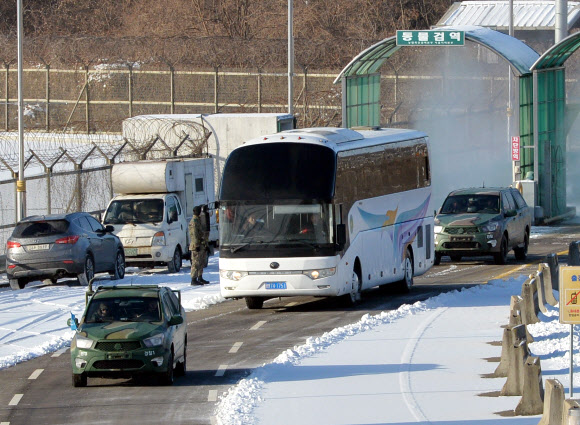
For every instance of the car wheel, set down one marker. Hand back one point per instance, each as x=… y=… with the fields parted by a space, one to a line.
x=182 y=366
x=254 y=303
x=354 y=296
x=16 y=284
x=501 y=256
x=175 y=264
x=455 y=257
x=167 y=377
x=79 y=380
x=437 y=260
x=406 y=283
x=119 y=270
x=88 y=273
x=522 y=252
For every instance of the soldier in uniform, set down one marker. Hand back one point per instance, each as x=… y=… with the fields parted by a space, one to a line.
x=197 y=247
x=205 y=228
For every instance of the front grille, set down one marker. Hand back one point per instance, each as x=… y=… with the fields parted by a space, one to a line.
x=118 y=346
x=461 y=230
x=461 y=245
x=118 y=364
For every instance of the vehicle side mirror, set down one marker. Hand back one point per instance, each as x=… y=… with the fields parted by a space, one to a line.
x=69 y=322
x=109 y=228
x=175 y=320
x=511 y=213
x=341 y=235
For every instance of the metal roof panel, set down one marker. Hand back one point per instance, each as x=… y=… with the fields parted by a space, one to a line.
x=528 y=15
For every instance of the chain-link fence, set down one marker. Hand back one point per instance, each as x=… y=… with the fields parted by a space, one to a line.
x=98 y=100
x=67 y=172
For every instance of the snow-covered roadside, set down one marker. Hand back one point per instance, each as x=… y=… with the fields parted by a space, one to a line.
x=419 y=364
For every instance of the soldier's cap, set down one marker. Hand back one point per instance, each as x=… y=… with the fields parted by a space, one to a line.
x=196 y=210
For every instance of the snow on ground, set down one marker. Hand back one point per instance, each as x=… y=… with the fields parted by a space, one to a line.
x=421 y=363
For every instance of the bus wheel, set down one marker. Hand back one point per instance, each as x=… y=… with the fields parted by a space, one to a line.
x=254 y=303
x=406 y=283
x=354 y=296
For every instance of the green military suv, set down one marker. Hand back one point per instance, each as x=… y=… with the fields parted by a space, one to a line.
x=127 y=331
x=483 y=221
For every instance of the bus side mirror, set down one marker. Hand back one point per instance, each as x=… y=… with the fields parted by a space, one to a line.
x=341 y=235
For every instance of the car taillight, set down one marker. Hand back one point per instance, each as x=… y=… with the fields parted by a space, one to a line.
x=12 y=244
x=69 y=239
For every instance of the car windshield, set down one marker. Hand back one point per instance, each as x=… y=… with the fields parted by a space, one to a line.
x=483 y=204
x=126 y=309
x=134 y=211
x=38 y=229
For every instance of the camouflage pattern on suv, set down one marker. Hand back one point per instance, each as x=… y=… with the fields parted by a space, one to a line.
x=483 y=221
x=127 y=331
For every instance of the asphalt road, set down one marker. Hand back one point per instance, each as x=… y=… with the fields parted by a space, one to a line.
x=226 y=342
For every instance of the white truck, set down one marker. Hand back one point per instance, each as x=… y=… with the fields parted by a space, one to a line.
x=153 y=207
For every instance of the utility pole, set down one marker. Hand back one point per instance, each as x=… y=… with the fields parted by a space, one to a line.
x=20 y=183
x=290 y=57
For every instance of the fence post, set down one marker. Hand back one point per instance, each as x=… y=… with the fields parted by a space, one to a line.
x=130 y=66
x=47 y=91
x=87 y=97
x=172 y=87
x=215 y=90
x=259 y=91
x=48 y=192
x=305 y=92
x=7 y=90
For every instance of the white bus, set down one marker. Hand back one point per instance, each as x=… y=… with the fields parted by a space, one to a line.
x=325 y=212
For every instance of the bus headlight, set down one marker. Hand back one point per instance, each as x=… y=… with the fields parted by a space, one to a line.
x=233 y=274
x=319 y=273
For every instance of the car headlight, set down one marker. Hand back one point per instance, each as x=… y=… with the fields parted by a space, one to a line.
x=154 y=340
x=490 y=227
x=158 y=239
x=438 y=229
x=233 y=274
x=319 y=273
x=83 y=342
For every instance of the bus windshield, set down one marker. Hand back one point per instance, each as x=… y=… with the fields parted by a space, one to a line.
x=251 y=226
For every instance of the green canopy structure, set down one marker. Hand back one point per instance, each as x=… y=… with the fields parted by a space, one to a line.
x=542 y=105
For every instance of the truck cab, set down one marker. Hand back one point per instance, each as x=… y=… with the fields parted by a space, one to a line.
x=152 y=228
x=154 y=205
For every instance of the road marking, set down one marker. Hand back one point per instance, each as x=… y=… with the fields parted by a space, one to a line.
x=36 y=374
x=59 y=352
x=258 y=325
x=4 y=423
x=212 y=396
x=506 y=274
x=221 y=370
x=15 y=400
x=235 y=347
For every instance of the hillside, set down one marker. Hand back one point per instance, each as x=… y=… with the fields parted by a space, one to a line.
x=207 y=33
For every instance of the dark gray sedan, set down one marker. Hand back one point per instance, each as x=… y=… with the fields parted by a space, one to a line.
x=50 y=247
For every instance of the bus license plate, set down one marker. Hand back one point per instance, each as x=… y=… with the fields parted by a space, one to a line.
x=275 y=285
